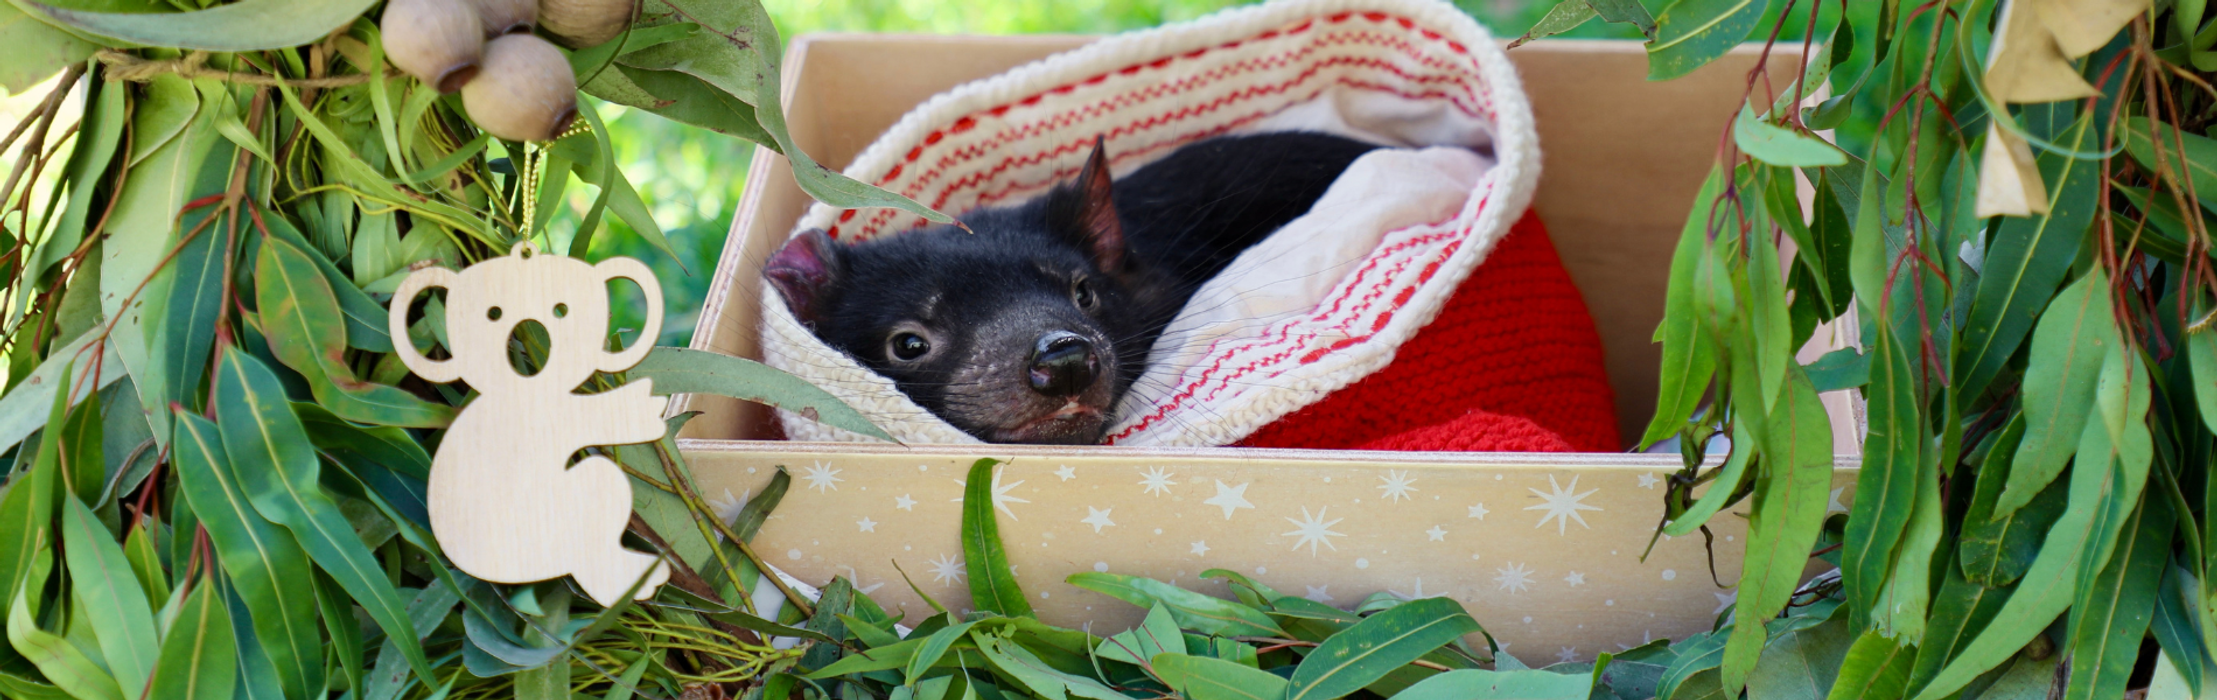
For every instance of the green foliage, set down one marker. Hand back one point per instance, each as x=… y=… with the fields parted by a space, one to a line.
x=2035 y=476
x=216 y=480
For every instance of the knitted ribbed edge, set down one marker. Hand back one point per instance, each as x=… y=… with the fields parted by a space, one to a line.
x=789 y=346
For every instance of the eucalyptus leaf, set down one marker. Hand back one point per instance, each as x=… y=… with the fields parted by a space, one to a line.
x=56 y=657
x=114 y=602
x=1994 y=551
x=263 y=560
x=1626 y=12
x=1723 y=490
x=2111 y=616
x=101 y=133
x=308 y=332
x=1876 y=668
x=1782 y=145
x=745 y=27
x=1886 y=489
x=1790 y=505
x=32 y=51
x=186 y=334
x=27 y=508
x=199 y=657
x=2025 y=261
x=1204 y=678
x=2076 y=331
x=993 y=584
x=1193 y=611
x=247 y=25
x=1691 y=33
x=2108 y=481
x=1565 y=16
x=1689 y=353
x=1156 y=633
x=1376 y=646
x=278 y=470
x=684 y=371
x=2180 y=150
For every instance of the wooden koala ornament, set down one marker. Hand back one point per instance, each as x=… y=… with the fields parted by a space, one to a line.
x=503 y=505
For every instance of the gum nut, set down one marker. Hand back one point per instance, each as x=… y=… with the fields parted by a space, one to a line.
x=440 y=42
x=583 y=23
x=507 y=16
x=526 y=91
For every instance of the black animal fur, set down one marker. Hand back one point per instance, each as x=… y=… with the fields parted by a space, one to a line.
x=1107 y=265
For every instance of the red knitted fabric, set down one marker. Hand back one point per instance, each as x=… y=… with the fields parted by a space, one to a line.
x=1511 y=364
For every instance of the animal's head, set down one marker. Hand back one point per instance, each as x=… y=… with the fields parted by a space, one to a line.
x=492 y=303
x=1010 y=331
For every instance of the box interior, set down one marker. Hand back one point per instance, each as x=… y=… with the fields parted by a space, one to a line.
x=1621 y=160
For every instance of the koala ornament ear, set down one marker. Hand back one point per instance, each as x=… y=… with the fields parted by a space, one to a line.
x=415 y=283
x=803 y=271
x=638 y=272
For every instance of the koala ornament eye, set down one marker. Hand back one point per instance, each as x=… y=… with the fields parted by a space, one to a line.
x=561 y=310
x=492 y=314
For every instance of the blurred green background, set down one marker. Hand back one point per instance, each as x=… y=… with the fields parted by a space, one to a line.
x=691 y=178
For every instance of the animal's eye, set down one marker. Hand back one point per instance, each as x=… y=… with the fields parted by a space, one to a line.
x=909 y=346
x=561 y=310
x=1082 y=292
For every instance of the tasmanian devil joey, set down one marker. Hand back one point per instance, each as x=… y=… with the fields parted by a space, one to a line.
x=1031 y=324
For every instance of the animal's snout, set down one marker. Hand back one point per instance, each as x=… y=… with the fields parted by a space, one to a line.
x=1063 y=364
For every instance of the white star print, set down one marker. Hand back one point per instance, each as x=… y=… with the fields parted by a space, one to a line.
x=1562 y=506
x=1318 y=594
x=1833 y=505
x=903 y=502
x=867 y=524
x=1567 y=655
x=946 y=569
x=1098 y=518
x=823 y=478
x=856 y=577
x=1648 y=480
x=1313 y=529
x=1479 y=511
x=1646 y=638
x=727 y=507
x=1514 y=578
x=1157 y=481
x=1397 y=486
x=1437 y=534
x=1416 y=592
x=1066 y=472
x=1200 y=548
x=1575 y=579
x=1001 y=499
x=1229 y=498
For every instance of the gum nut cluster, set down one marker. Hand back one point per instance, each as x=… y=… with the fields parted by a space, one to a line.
x=515 y=85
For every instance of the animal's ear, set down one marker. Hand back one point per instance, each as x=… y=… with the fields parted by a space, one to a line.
x=1087 y=210
x=803 y=271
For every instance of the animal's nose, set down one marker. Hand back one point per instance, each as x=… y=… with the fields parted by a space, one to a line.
x=1063 y=364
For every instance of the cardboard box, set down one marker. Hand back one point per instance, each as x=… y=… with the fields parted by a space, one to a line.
x=1544 y=549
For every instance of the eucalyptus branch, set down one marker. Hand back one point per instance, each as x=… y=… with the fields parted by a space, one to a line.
x=127 y=67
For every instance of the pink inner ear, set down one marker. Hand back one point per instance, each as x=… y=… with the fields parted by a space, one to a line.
x=799 y=271
x=1099 y=213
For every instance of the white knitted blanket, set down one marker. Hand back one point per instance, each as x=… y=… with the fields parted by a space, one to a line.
x=1321 y=304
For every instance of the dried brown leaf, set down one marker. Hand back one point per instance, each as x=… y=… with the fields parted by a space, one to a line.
x=2008 y=181
x=2027 y=63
